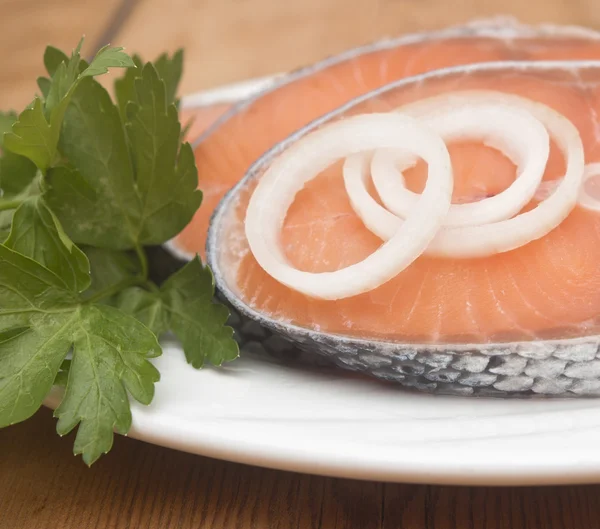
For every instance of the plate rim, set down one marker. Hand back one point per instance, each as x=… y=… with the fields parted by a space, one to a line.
x=174 y=432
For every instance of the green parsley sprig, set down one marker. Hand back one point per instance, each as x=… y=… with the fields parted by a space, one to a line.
x=86 y=184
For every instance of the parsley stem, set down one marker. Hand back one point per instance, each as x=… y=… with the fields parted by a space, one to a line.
x=143 y=260
x=9 y=204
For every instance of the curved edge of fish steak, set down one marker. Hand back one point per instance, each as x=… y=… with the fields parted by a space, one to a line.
x=499 y=27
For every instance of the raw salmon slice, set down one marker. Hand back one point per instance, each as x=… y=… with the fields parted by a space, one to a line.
x=223 y=155
x=203 y=110
x=547 y=289
x=200 y=118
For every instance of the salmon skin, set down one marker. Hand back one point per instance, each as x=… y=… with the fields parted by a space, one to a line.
x=525 y=321
x=244 y=132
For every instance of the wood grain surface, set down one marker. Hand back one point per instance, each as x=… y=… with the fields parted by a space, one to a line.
x=142 y=486
x=26 y=27
x=228 y=40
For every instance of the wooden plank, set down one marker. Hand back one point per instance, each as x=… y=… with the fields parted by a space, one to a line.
x=26 y=27
x=229 y=40
x=140 y=485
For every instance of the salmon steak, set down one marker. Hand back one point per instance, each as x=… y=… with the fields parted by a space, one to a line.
x=426 y=211
x=224 y=148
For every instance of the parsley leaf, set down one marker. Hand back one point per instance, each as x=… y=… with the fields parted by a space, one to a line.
x=125 y=85
x=32 y=136
x=36 y=133
x=170 y=70
x=147 y=307
x=40 y=322
x=37 y=233
x=29 y=361
x=106 y=58
x=185 y=305
x=12 y=202
x=109 y=201
x=44 y=84
x=110 y=358
x=35 y=309
x=96 y=200
x=63 y=374
x=53 y=57
x=78 y=169
x=166 y=176
x=16 y=172
x=194 y=317
x=109 y=268
x=7 y=119
x=27 y=287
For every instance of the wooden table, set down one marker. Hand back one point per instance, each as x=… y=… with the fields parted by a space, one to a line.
x=142 y=486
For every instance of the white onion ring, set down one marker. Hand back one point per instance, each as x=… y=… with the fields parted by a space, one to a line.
x=375 y=217
x=503 y=235
x=309 y=156
x=546 y=189
x=508 y=128
x=506 y=235
x=514 y=131
x=586 y=200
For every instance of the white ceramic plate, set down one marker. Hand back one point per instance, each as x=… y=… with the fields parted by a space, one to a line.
x=327 y=422
x=330 y=422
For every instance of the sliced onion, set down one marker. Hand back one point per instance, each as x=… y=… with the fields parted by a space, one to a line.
x=506 y=235
x=513 y=131
x=508 y=128
x=305 y=159
x=503 y=235
x=377 y=219
x=546 y=189
x=586 y=200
